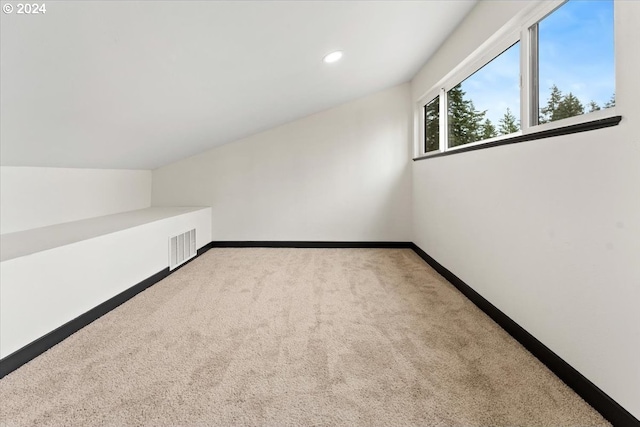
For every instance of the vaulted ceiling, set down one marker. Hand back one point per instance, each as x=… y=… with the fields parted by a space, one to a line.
x=139 y=84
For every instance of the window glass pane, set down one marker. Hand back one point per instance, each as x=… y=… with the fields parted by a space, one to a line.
x=576 y=60
x=486 y=104
x=432 y=125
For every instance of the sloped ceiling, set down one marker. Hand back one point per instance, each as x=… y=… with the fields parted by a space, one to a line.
x=139 y=84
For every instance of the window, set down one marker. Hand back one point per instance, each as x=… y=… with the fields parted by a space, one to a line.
x=432 y=125
x=552 y=68
x=575 y=60
x=487 y=103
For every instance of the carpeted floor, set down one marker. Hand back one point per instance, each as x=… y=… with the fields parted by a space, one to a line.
x=297 y=337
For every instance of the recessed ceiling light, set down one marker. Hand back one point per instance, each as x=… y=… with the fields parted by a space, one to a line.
x=332 y=57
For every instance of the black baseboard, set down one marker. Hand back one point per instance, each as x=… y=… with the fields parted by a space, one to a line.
x=598 y=399
x=307 y=244
x=35 y=348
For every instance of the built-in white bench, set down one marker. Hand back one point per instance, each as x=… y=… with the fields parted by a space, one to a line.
x=51 y=275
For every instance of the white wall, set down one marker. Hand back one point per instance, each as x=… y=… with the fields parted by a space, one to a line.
x=44 y=290
x=33 y=197
x=339 y=175
x=547 y=230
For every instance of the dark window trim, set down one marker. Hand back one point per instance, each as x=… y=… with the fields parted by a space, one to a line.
x=566 y=130
x=424 y=115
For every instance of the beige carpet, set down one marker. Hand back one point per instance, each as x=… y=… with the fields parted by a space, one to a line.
x=293 y=337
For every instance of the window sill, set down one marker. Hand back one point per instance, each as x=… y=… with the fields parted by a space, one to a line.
x=566 y=130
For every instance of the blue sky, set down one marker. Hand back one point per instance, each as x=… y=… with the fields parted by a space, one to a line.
x=576 y=54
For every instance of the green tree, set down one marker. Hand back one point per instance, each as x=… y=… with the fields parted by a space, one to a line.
x=432 y=125
x=593 y=106
x=465 y=122
x=547 y=112
x=611 y=102
x=488 y=130
x=562 y=106
x=508 y=123
x=570 y=106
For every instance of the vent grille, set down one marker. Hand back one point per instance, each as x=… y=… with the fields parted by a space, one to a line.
x=182 y=248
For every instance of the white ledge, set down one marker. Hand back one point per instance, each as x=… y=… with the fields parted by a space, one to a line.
x=27 y=242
